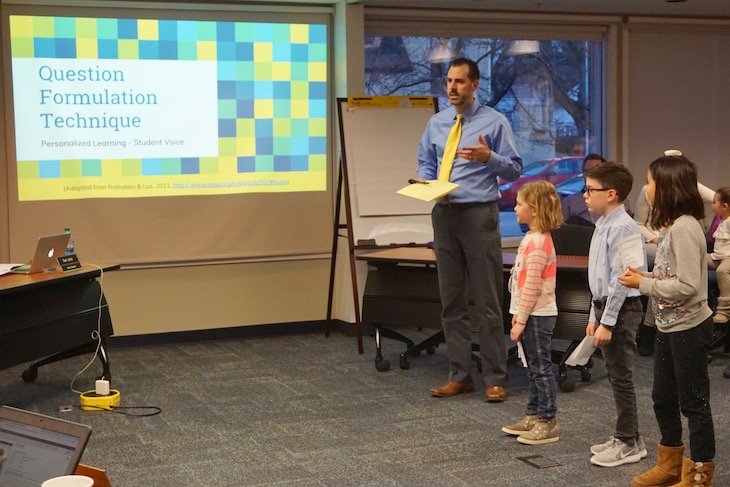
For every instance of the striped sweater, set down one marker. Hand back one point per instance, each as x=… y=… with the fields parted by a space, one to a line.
x=532 y=283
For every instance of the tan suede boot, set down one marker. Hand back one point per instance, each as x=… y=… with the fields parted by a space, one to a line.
x=696 y=474
x=666 y=472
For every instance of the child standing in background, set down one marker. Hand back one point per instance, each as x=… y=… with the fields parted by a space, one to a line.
x=616 y=311
x=534 y=310
x=678 y=288
x=719 y=259
x=647 y=332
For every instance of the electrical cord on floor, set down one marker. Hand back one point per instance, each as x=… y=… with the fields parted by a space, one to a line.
x=115 y=409
x=96 y=334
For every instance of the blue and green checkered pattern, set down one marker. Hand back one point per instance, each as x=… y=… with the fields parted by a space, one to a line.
x=272 y=85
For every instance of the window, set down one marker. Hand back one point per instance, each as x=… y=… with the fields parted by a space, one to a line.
x=550 y=91
x=568 y=166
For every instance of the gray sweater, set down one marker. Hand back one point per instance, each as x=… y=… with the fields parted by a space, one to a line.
x=678 y=282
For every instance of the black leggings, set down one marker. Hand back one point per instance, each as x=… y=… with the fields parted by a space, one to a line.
x=681 y=384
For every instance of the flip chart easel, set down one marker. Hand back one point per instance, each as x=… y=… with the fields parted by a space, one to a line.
x=379 y=138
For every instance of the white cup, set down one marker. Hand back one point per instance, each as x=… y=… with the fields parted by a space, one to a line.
x=69 y=481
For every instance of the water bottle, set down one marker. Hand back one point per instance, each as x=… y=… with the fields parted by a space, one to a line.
x=70 y=246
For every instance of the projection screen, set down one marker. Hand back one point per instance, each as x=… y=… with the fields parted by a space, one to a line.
x=168 y=135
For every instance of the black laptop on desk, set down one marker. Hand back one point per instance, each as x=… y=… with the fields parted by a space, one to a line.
x=35 y=448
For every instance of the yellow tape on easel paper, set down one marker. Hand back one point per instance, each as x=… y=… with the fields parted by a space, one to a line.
x=389 y=102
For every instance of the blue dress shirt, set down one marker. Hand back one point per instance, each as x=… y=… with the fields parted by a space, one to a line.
x=604 y=263
x=477 y=181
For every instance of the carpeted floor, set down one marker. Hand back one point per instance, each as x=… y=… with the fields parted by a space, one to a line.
x=307 y=410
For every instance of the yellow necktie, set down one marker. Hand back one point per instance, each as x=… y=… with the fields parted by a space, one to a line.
x=450 y=150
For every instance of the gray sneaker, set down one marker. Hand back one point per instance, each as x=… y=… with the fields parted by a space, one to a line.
x=544 y=431
x=522 y=426
x=615 y=454
x=640 y=445
x=596 y=449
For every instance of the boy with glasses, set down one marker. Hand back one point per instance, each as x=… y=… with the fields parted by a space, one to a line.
x=616 y=311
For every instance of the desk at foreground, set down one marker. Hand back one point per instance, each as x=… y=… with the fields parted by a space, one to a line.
x=401 y=290
x=99 y=475
x=53 y=315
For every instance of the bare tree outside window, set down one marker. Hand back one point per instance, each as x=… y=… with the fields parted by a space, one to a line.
x=548 y=90
x=545 y=91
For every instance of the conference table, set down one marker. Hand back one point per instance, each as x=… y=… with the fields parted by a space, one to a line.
x=53 y=316
x=401 y=291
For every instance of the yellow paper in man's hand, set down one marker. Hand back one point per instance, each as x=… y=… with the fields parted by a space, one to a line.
x=428 y=191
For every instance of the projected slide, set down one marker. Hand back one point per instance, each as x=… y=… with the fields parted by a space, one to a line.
x=123 y=108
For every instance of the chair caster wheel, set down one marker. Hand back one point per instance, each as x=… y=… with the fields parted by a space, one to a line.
x=566 y=385
x=30 y=374
x=431 y=350
x=404 y=363
x=382 y=365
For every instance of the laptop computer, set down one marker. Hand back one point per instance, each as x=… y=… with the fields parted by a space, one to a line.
x=36 y=448
x=47 y=251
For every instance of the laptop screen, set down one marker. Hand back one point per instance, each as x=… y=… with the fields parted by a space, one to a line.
x=34 y=453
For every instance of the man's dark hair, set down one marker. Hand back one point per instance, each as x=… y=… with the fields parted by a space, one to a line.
x=612 y=175
x=473 y=68
x=676 y=192
x=593 y=157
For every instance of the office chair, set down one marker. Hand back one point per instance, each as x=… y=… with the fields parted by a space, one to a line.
x=572 y=239
x=573 y=301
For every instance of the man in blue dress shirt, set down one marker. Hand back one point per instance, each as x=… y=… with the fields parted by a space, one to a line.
x=467 y=239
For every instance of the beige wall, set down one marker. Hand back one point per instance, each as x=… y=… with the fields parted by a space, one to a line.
x=188 y=298
x=677 y=97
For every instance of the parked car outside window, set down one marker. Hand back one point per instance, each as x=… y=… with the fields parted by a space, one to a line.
x=553 y=170
x=570 y=186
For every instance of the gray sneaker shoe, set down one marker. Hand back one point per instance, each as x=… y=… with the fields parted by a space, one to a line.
x=522 y=426
x=640 y=445
x=596 y=449
x=617 y=453
x=544 y=431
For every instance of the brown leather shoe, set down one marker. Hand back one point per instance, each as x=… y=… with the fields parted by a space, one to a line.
x=452 y=389
x=496 y=394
